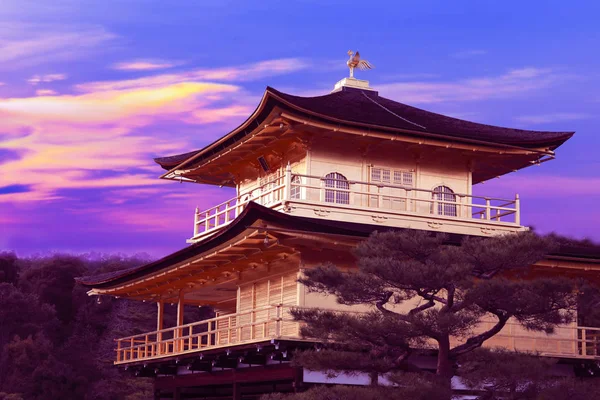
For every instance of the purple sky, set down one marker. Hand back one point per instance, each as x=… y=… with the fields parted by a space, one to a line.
x=91 y=91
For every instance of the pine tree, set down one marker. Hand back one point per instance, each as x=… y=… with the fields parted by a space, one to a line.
x=428 y=296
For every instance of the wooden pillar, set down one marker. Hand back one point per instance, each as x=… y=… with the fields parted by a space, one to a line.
x=237 y=391
x=298 y=379
x=160 y=313
x=180 y=307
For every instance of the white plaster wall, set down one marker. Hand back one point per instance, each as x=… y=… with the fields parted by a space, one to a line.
x=430 y=169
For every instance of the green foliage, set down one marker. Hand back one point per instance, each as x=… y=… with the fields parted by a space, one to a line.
x=9 y=269
x=506 y=374
x=422 y=289
x=58 y=343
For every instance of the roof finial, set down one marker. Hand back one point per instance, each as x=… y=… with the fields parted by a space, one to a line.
x=355 y=61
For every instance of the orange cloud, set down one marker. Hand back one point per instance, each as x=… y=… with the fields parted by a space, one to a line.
x=110 y=106
x=45 y=92
x=230 y=74
x=106 y=135
x=73 y=139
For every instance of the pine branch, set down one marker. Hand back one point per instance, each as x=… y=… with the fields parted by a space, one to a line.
x=431 y=296
x=422 y=307
x=476 y=341
x=385 y=298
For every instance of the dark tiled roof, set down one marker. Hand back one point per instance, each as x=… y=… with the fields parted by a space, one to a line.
x=362 y=108
x=254 y=212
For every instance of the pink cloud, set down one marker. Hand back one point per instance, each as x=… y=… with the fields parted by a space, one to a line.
x=144 y=65
x=45 y=92
x=71 y=136
x=34 y=80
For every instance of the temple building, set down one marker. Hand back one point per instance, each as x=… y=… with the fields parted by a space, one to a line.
x=314 y=176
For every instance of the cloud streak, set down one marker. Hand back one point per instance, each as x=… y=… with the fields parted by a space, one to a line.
x=144 y=65
x=514 y=82
x=550 y=118
x=241 y=73
x=36 y=79
x=106 y=135
x=24 y=44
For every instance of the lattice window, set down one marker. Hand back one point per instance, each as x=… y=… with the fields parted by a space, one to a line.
x=385 y=175
x=295 y=190
x=376 y=174
x=340 y=189
x=446 y=201
x=396 y=176
x=267 y=184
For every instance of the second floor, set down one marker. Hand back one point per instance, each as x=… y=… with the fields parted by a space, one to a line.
x=355 y=156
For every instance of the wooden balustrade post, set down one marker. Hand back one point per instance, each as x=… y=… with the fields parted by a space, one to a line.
x=287 y=183
x=131 y=349
x=178 y=344
x=252 y=322
x=517 y=210
x=227 y=211
x=147 y=342
x=322 y=190
x=119 y=350
x=459 y=207
x=583 y=343
x=468 y=208
x=206 y=221
x=278 y=322
x=488 y=210
x=159 y=323
x=229 y=330
x=196 y=219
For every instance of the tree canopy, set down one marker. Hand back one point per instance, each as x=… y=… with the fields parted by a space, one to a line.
x=429 y=296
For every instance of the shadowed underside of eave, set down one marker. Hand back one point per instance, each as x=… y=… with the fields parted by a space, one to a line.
x=255 y=212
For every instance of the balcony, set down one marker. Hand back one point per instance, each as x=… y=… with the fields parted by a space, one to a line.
x=275 y=323
x=258 y=325
x=378 y=203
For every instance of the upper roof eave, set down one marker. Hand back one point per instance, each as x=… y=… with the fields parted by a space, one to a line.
x=272 y=98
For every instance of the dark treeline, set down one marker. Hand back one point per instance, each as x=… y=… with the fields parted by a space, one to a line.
x=56 y=342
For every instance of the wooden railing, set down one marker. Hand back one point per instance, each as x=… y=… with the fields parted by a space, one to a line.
x=245 y=327
x=565 y=341
x=216 y=217
x=275 y=322
x=359 y=195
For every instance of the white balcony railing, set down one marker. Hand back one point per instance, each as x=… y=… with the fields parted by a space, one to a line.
x=289 y=188
x=276 y=322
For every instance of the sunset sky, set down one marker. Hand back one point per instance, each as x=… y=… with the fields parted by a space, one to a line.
x=92 y=90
